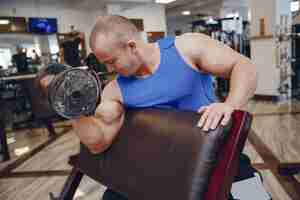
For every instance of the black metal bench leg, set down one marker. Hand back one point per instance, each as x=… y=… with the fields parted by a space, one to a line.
x=4 y=152
x=289 y=169
x=51 y=129
x=70 y=186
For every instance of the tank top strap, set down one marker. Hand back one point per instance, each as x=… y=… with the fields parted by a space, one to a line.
x=166 y=42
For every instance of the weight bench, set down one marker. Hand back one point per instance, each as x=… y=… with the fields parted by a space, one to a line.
x=161 y=154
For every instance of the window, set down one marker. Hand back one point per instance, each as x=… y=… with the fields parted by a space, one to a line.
x=294 y=6
x=5 y=57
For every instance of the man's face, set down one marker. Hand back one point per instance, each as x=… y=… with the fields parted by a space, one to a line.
x=123 y=60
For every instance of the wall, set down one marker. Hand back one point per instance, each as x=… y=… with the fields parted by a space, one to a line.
x=233 y=6
x=5 y=55
x=266 y=9
x=153 y=15
x=181 y=23
x=263 y=54
x=11 y=41
x=82 y=19
x=263 y=51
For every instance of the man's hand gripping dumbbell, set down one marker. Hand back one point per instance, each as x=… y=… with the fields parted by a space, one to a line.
x=75 y=94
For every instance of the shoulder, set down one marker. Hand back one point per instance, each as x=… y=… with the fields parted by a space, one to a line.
x=190 y=42
x=192 y=37
x=112 y=91
x=196 y=47
x=192 y=46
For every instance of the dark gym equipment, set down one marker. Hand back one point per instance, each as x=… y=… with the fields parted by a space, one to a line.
x=161 y=154
x=4 y=155
x=296 y=63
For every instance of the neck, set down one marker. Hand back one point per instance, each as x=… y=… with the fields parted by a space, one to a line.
x=150 y=56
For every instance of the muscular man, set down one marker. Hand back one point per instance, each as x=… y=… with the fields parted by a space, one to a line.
x=173 y=73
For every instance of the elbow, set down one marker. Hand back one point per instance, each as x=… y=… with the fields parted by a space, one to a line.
x=250 y=71
x=254 y=76
x=98 y=147
x=253 y=79
x=248 y=66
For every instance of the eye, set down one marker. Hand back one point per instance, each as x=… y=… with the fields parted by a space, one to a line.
x=110 y=62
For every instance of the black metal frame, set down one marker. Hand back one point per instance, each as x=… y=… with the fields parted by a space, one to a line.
x=3 y=143
x=71 y=183
x=4 y=151
x=289 y=169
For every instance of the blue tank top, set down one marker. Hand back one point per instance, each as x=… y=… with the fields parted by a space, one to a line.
x=173 y=85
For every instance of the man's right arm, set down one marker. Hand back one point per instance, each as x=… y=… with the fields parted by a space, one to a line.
x=98 y=132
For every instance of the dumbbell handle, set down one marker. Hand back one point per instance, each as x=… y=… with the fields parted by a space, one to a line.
x=98 y=73
x=105 y=73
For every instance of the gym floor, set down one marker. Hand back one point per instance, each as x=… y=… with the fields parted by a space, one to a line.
x=272 y=140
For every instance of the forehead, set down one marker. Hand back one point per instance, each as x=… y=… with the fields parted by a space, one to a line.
x=105 y=48
x=108 y=43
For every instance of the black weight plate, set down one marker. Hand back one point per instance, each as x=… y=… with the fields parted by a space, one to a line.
x=74 y=92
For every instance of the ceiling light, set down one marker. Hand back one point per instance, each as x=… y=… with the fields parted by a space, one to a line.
x=164 y=1
x=211 y=21
x=233 y=15
x=4 y=21
x=187 y=12
x=294 y=6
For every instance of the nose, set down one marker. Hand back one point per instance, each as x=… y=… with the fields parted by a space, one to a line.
x=110 y=68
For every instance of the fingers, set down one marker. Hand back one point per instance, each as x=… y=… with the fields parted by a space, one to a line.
x=226 y=119
x=216 y=120
x=203 y=117
x=202 y=109
x=213 y=116
x=209 y=121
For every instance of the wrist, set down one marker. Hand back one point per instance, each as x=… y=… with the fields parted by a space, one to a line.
x=232 y=104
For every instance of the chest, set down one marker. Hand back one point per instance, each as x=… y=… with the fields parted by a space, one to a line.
x=167 y=86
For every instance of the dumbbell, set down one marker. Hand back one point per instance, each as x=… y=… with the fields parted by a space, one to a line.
x=73 y=92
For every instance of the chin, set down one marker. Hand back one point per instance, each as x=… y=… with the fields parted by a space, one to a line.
x=125 y=74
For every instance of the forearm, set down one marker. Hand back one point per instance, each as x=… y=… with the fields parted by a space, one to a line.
x=243 y=84
x=98 y=132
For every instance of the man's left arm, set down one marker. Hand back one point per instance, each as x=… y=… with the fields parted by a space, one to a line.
x=217 y=59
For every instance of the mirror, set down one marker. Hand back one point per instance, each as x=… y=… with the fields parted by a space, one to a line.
x=32 y=49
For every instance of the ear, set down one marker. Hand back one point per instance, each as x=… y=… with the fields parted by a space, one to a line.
x=132 y=45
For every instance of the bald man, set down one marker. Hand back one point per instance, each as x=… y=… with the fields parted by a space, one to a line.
x=173 y=73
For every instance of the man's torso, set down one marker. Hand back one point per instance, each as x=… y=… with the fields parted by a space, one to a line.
x=175 y=84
